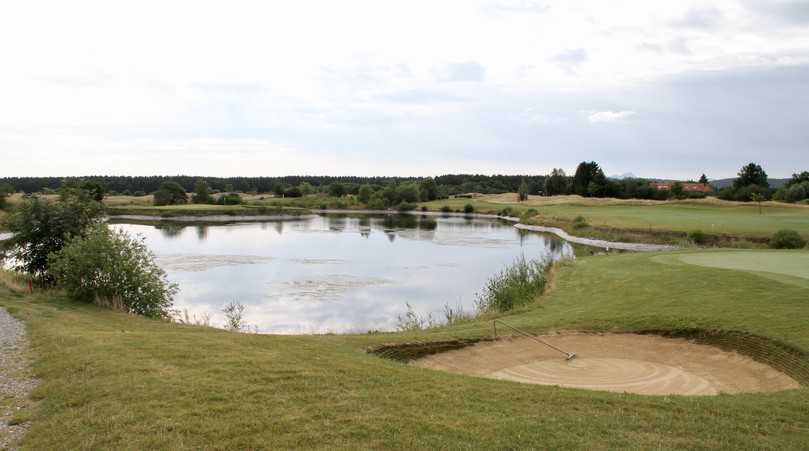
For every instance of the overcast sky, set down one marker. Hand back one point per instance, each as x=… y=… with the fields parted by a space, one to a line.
x=656 y=88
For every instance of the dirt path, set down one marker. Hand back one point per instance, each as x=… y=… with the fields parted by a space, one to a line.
x=642 y=364
x=16 y=382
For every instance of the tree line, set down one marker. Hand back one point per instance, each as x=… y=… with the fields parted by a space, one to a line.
x=446 y=185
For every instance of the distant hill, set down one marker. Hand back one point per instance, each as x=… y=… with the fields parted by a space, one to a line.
x=724 y=183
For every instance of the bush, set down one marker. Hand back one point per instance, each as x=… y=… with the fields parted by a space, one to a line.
x=229 y=199
x=528 y=214
x=468 y=208
x=519 y=284
x=170 y=193
x=698 y=237
x=579 y=222
x=114 y=270
x=787 y=239
x=406 y=206
x=446 y=209
x=41 y=228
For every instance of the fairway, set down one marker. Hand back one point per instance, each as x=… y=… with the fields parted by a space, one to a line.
x=794 y=264
x=710 y=216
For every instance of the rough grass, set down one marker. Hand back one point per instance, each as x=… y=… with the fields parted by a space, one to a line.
x=113 y=381
x=650 y=218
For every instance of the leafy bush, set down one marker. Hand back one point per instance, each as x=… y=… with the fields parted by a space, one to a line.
x=41 y=228
x=170 y=193
x=468 y=208
x=112 y=269
x=528 y=214
x=517 y=285
x=697 y=237
x=787 y=239
x=406 y=206
x=229 y=199
x=505 y=212
x=579 y=222
x=446 y=209
x=376 y=202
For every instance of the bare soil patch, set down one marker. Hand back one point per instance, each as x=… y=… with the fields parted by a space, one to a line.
x=642 y=364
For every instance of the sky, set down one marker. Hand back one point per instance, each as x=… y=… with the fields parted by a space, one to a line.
x=669 y=89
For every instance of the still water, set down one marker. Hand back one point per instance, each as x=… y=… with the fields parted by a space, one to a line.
x=337 y=273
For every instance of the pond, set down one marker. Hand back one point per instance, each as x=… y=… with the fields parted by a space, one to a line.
x=337 y=273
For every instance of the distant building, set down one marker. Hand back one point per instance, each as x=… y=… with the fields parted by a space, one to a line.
x=687 y=187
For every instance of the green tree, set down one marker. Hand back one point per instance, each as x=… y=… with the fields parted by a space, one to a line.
x=40 y=228
x=95 y=190
x=170 y=193
x=589 y=180
x=202 y=194
x=5 y=190
x=428 y=190
x=757 y=198
x=408 y=192
x=114 y=270
x=365 y=193
x=306 y=188
x=751 y=174
x=677 y=190
x=522 y=191
x=336 y=190
x=556 y=183
x=703 y=179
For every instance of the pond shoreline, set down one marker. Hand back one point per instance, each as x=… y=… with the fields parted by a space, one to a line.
x=603 y=244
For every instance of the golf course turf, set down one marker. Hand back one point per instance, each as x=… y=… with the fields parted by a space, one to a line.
x=114 y=381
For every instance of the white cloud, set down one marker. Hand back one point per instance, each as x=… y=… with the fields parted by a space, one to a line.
x=609 y=116
x=362 y=81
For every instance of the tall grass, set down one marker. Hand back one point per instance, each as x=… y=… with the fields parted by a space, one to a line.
x=517 y=285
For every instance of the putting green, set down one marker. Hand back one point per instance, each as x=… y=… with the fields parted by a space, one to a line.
x=769 y=264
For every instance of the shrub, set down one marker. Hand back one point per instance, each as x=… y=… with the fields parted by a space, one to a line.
x=518 y=284
x=787 y=239
x=697 y=237
x=170 y=193
x=112 y=269
x=234 y=316
x=468 y=208
x=579 y=222
x=528 y=214
x=406 y=206
x=229 y=199
x=446 y=209
x=202 y=194
x=41 y=228
x=423 y=208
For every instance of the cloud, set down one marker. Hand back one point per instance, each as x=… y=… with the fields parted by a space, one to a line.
x=703 y=18
x=791 y=12
x=609 y=116
x=518 y=7
x=570 y=59
x=470 y=71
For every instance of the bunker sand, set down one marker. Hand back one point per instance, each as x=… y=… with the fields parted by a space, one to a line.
x=641 y=364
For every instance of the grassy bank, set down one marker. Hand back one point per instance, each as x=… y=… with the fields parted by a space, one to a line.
x=649 y=221
x=113 y=381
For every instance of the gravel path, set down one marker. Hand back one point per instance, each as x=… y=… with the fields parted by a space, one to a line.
x=16 y=382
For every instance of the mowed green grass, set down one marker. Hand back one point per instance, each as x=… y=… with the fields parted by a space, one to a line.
x=113 y=381
x=730 y=218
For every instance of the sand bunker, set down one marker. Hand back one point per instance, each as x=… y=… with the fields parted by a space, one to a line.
x=643 y=364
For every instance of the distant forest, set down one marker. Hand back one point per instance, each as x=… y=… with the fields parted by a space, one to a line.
x=447 y=184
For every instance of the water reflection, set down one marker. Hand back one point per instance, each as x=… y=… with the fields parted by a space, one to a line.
x=338 y=273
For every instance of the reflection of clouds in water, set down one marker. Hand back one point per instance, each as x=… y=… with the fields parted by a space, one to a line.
x=288 y=283
x=328 y=287
x=205 y=262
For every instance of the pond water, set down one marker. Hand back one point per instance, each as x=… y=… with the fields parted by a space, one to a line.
x=334 y=273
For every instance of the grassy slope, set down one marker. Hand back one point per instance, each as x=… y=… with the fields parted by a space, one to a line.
x=710 y=216
x=114 y=381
